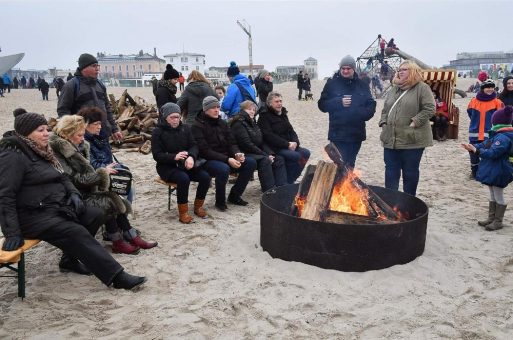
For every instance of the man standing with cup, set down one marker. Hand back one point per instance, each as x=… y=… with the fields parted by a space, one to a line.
x=349 y=102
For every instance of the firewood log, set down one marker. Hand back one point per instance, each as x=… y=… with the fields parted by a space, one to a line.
x=304 y=187
x=319 y=195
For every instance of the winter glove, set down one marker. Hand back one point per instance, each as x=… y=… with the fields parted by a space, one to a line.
x=75 y=201
x=12 y=243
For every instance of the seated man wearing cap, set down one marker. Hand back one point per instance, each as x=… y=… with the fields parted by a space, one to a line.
x=217 y=145
x=349 y=103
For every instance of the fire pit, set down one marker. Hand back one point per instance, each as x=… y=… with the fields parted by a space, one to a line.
x=347 y=247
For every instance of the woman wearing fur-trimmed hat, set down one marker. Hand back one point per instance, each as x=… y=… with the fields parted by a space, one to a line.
x=480 y=111
x=495 y=169
x=166 y=87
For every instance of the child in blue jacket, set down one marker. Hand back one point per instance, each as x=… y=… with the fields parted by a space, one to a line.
x=495 y=169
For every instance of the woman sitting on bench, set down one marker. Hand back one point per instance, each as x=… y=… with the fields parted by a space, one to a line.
x=73 y=152
x=37 y=201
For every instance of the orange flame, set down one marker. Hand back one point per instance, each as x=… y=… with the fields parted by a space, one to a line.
x=300 y=204
x=348 y=198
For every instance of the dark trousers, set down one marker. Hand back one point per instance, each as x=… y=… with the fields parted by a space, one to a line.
x=113 y=224
x=76 y=239
x=270 y=174
x=405 y=161
x=221 y=171
x=181 y=86
x=183 y=178
x=474 y=160
x=348 y=151
x=45 y=95
x=295 y=161
x=300 y=94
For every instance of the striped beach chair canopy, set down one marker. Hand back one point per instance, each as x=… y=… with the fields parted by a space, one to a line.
x=441 y=81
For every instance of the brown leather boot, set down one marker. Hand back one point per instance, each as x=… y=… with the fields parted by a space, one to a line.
x=198 y=208
x=183 y=211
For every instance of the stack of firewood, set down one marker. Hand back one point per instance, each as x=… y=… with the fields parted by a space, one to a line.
x=136 y=119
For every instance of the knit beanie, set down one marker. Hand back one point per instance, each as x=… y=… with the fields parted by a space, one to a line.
x=210 y=102
x=25 y=123
x=85 y=60
x=482 y=76
x=503 y=116
x=348 y=61
x=233 y=70
x=170 y=72
x=487 y=83
x=169 y=108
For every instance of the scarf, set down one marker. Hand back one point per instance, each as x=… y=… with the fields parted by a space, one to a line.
x=402 y=84
x=486 y=97
x=45 y=153
x=164 y=83
x=500 y=126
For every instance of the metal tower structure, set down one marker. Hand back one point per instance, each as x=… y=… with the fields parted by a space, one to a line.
x=247 y=29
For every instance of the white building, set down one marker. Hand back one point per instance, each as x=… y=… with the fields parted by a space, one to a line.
x=311 y=68
x=186 y=62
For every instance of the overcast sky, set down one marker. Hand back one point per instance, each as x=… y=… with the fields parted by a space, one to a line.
x=55 y=33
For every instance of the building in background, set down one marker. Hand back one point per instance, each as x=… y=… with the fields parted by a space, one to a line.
x=129 y=66
x=289 y=73
x=217 y=75
x=497 y=64
x=185 y=62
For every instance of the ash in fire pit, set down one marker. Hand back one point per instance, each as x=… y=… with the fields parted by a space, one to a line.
x=358 y=233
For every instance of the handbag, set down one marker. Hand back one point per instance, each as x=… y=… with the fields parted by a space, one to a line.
x=121 y=182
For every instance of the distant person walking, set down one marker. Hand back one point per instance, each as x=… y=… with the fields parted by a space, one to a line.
x=15 y=83
x=58 y=83
x=7 y=83
x=181 y=81
x=300 y=84
x=23 y=82
x=44 y=87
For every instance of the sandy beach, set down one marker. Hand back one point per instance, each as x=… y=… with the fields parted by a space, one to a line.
x=211 y=278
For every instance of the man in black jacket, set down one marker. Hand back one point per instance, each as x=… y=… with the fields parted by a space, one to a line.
x=281 y=137
x=349 y=103
x=217 y=145
x=86 y=90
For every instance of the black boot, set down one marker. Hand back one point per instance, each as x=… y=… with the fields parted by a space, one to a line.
x=126 y=281
x=70 y=264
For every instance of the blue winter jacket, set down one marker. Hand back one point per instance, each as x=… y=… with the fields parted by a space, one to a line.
x=233 y=98
x=347 y=123
x=6 y=79
x=495 y=168
x=101 y=153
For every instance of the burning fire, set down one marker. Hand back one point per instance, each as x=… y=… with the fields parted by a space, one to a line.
x=348 y=198
x=300 y=204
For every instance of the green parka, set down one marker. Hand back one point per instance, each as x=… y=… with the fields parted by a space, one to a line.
x=418 y=106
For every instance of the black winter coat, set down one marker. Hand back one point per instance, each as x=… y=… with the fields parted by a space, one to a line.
x=248 y=135
x=277 y=130
x=33 y=194
x=191 y=100
x=214 y=138
x=263 y=87
x=347 y=123
x=167 y=141
x=166 y=93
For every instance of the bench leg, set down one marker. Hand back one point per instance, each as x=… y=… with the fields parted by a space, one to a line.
x=21 y=276
x=169 y=192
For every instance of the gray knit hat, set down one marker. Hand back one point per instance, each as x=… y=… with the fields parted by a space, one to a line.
x=85 y=60
x=25 y=123
x=169 y=108
x=210 y=102
x=348 y=61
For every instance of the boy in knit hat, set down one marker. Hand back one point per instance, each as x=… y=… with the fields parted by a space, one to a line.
x=239 y=90
x=495 y=169
x=480 y=110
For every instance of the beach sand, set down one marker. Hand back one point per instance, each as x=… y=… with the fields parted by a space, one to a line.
x=211 y=279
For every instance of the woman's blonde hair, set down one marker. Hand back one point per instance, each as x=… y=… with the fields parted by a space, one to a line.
x=196 y=75
x=414 y=76
x=69 y=125
x=247 y=104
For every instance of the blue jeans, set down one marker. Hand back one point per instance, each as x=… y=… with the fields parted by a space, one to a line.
x=349 y=151
x=406 y=161
x=221 y=171
x=183 y=178
x=295 y=161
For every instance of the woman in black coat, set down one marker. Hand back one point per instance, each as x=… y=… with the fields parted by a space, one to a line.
x=271 y=168
x=176 y=152
x=37 y=201
x=264 y=85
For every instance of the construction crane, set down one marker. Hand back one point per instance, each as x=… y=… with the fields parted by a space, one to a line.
x=247 y=29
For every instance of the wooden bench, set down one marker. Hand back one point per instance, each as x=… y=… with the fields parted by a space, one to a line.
x=171 y=187
x=10 y=258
